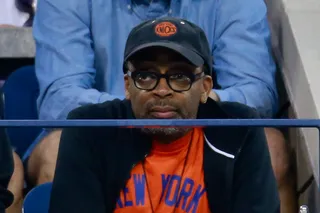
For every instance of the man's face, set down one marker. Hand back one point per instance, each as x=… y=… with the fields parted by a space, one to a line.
x=165 y=101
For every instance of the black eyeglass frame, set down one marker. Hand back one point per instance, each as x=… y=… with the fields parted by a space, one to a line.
x=193 y=78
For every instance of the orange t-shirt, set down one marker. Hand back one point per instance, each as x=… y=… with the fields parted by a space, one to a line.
x=163 y=167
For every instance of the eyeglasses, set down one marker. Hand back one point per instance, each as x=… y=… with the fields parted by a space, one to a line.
x=177 y=81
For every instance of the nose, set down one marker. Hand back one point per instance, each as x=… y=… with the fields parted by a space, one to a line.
x=162 y=90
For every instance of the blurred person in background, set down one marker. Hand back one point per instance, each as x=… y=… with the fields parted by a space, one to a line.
x=17 y=13
x=79 y=50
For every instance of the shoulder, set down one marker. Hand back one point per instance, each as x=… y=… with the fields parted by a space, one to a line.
x=115 y=109
x=230 y=139
x=103 y=139
x=239 y=111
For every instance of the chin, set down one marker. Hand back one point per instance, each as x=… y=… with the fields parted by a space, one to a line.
x=166 y=133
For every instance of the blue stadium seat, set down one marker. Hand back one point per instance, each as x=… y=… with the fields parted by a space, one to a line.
x=38 y=199
x=21 y=90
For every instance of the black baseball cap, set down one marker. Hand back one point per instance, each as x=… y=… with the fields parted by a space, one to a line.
x=176 y=34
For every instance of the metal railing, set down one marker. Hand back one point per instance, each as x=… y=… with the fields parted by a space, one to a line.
x=305 y=123
x=142 y=123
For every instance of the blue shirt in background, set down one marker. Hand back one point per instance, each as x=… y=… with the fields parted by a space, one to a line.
x=80 y=46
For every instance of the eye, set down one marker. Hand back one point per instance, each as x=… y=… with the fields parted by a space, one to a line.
x=145 y=77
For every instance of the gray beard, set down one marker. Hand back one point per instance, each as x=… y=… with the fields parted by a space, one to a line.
x=166 y=134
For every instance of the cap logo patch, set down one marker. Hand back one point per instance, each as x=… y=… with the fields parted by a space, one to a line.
x=165 y=29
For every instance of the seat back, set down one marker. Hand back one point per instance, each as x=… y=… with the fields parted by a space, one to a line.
x=38 y=199
x=20 y=93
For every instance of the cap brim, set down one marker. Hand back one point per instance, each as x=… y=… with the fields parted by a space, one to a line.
x=190 y=55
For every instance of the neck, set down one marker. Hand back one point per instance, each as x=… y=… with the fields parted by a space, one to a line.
x=166 y=140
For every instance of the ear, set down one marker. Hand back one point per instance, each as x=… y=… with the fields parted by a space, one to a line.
x=207 y=87
x=127 y=86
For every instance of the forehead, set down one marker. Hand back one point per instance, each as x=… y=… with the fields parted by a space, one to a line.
x=159 y=55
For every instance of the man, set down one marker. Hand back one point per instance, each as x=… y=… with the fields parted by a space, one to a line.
x=168 y=68
x=80 y=45
x=6 y=170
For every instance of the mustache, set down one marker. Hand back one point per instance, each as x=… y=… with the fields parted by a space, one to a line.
x=162 y=103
